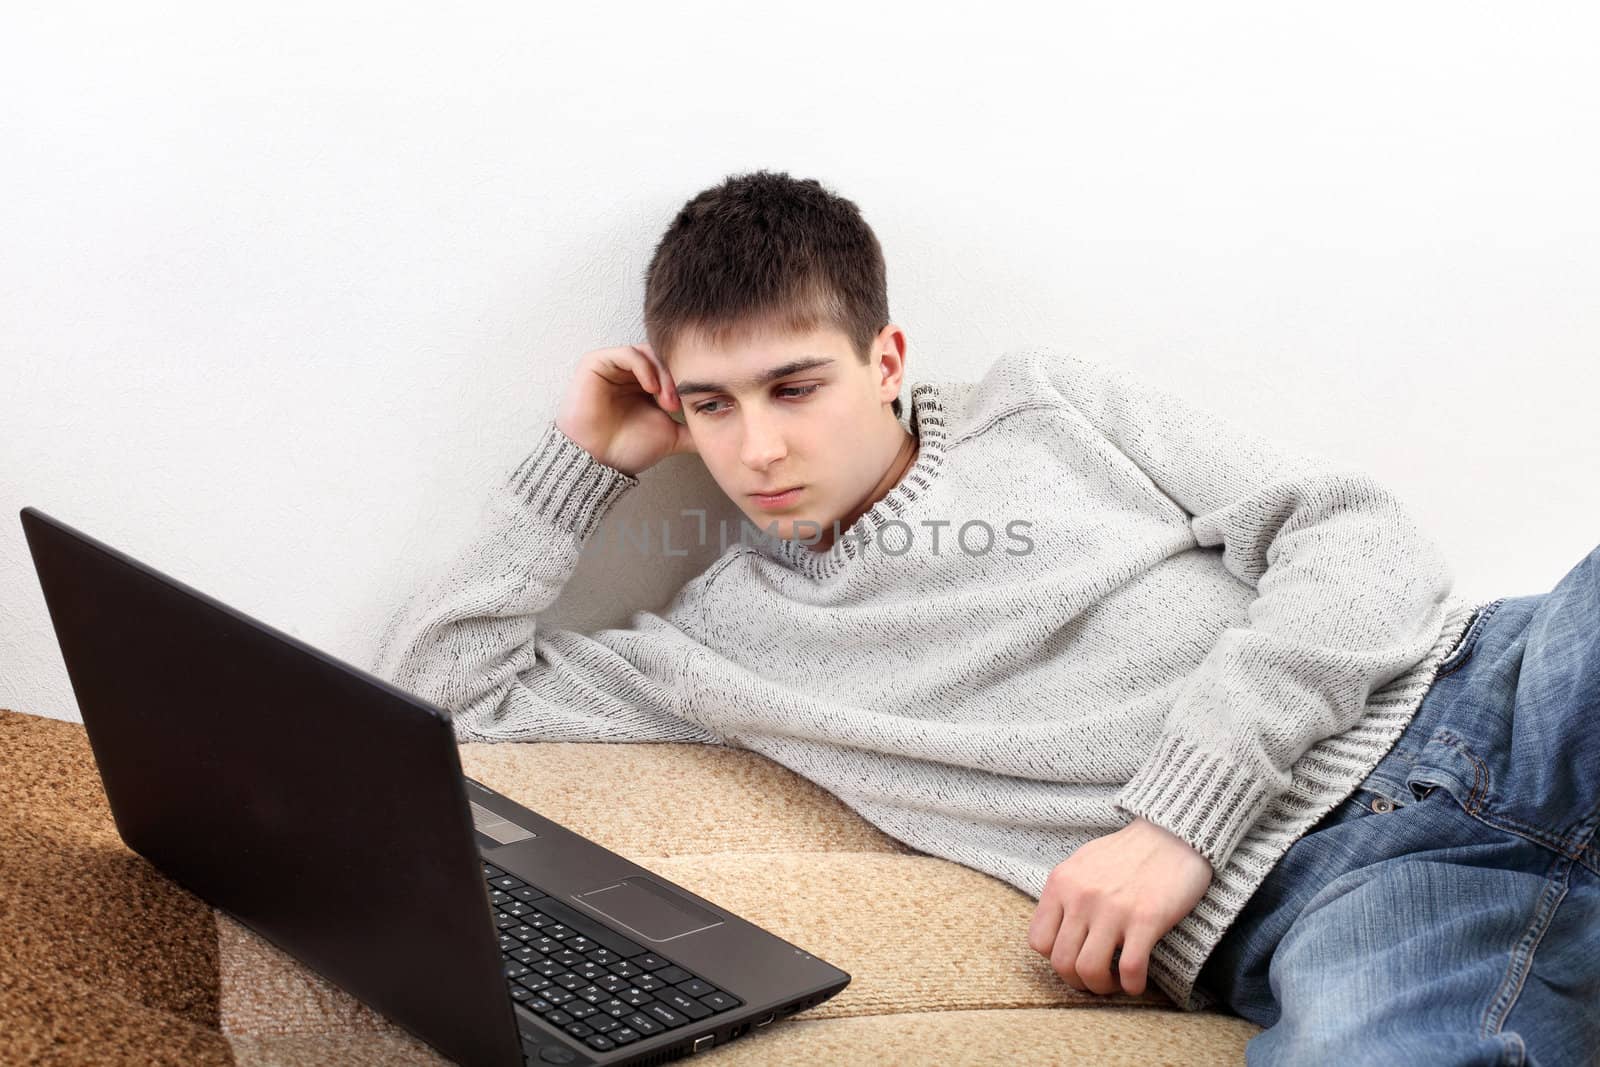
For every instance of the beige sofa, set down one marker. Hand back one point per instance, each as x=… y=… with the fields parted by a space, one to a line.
x=108 y=961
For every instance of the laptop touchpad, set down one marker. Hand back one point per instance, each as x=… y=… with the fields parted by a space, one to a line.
x=649 y=908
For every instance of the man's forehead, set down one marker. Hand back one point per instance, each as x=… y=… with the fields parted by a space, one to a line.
x=752 y=360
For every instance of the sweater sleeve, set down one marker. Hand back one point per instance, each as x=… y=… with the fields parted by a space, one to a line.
x=1350 y=595
x=469 y=640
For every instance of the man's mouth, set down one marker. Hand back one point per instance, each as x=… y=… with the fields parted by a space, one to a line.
x=777 y=499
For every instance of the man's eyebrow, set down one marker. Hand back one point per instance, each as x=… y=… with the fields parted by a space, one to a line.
x=783 y=370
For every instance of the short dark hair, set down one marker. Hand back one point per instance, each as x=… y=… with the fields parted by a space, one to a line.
x=765 y=250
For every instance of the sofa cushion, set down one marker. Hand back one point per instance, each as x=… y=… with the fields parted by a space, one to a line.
x=108 y=960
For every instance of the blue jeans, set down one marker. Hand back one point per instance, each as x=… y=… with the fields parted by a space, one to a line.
x=1448 y=911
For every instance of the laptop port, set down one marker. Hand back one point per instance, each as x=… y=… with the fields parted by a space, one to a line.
x=767 y=1020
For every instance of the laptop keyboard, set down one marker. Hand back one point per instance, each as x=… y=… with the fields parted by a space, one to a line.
x=584 y=978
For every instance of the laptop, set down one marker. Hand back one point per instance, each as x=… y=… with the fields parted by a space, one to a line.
x=326 y=810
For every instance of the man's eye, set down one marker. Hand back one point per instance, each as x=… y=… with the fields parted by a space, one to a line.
x=798 y=391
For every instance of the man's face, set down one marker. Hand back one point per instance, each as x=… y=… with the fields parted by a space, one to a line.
x=819 y=425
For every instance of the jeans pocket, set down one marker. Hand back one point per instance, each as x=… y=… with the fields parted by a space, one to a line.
x=1447 y=762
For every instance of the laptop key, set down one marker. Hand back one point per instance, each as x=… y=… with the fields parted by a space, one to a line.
x=649 y=983
x=625 y=969
x=664 y=1015
x=622 y=1035
x=604 y=1024
x=557 y=1017
x=600 y=1042
x=673 y=975
x=720 y=1001
x=696 y=988
x=590 y=928
x=644 y=1024
x=683 y=1002
x=579 y=1029
x=491 y=871
x=649 y=961
x=508 y=882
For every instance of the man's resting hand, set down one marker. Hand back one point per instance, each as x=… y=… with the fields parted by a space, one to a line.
x=1125 y=889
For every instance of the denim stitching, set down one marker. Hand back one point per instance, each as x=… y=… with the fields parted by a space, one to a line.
x=1565 y=844
x=1480 y=784
x=1480 y=773
x=1522 y=954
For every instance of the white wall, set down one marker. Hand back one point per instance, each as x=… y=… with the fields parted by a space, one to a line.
x=284 y=290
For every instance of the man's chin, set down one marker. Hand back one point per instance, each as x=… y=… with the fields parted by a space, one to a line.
x=800 y=528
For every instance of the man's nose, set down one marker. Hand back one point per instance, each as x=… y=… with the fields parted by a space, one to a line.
x=763 y=443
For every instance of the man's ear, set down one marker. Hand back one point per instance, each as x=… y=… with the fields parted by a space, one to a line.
x=890 y=347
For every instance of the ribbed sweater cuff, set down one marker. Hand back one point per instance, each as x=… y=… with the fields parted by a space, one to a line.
x=567 y=486
x=1207 y=801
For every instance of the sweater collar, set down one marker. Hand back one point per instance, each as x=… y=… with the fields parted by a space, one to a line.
x=924 y=419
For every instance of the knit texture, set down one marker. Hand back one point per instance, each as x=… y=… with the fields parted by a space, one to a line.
x=1169 y=617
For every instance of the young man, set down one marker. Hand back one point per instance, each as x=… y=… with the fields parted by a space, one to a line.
x=1057 y=625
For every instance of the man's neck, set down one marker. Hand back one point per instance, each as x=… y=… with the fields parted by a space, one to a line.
x=904 y=457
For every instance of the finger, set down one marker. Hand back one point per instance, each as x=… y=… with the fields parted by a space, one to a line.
x=629 y=366
x=669 y=392
x=1133 y=965
x=1094 y=960
x=1046 y=921
x=1068 y=947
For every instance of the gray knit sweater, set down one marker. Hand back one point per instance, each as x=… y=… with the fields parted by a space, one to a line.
x=1087 y=600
